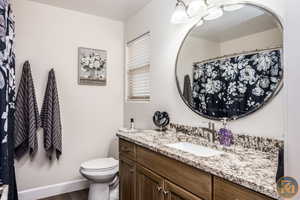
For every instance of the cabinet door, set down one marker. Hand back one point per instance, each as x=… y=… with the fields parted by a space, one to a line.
x=174 y=192
x=224 y=190
x=149 y=184
x=127 y=179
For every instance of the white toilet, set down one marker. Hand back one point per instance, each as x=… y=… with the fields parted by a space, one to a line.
x=102 y=174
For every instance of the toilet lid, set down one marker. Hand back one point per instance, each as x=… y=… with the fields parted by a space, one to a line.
x=100 y=164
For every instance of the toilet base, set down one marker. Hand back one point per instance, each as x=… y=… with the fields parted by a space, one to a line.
x=99 y=191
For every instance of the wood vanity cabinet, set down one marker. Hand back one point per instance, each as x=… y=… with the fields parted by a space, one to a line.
x=174 y=192
x=147 y=175
x=225 y=190
x=127 y=176
x=149 y=185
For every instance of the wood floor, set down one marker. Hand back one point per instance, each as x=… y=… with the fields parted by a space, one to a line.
x=79 y=195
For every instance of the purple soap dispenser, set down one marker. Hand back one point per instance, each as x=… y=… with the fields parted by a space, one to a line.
x=225 y=135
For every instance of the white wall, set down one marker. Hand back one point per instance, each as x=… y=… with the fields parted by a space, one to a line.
x=194 y=50
x=266 y=39
x=166 y=40
x=292 y=42
x=49 y=37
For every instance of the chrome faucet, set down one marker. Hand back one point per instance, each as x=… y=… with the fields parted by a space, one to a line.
x=212 y=132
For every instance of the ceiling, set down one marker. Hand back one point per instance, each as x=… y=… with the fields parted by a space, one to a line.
x=113 y=9
x=232 y=25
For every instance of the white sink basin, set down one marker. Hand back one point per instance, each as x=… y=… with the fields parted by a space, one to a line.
x=195 y=149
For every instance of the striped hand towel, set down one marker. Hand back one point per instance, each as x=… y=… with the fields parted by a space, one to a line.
x=27 y=119
x=50 y=116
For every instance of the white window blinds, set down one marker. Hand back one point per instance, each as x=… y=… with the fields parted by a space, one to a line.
x=138 y=68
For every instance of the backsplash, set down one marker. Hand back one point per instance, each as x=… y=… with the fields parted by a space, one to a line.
x=263 y=144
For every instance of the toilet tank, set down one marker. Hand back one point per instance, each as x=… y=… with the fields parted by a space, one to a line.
x=113 y=150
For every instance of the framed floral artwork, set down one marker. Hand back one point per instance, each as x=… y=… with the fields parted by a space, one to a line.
x=92 y=66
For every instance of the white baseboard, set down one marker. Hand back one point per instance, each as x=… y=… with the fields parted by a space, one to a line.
x=52 y=190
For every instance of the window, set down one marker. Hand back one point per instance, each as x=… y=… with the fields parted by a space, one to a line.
x=138 y=69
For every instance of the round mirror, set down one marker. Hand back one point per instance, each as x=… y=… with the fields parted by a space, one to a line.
x=231 y=66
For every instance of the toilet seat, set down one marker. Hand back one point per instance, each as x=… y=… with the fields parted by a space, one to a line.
x=100 y=165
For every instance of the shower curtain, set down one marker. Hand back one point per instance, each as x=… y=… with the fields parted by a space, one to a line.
x=7 y=98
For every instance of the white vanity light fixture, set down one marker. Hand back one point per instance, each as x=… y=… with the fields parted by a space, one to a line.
x=180 y=15
x=213 y=13
x=195 y=7
x=211 y=9
x=233 y=7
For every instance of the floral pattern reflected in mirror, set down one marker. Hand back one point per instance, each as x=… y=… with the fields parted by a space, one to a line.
x=236 y=85
x=234 y=70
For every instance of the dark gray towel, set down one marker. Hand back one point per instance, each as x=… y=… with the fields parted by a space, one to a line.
x=50 y=116
x=27 y=119
x=187 y=90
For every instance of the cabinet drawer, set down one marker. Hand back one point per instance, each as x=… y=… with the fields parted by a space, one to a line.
x=127 y=149
x=224 y=190
x=189 y=178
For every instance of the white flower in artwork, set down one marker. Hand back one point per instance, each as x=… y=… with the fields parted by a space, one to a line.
x=242 y=62
x=209 y=69
x=274 y=79
x=85 y=61
x=264 y=82
x=230 y=70
x=94 y=65
x=4 y=140
x=275 y=70
x=242 y=88
x=250 y=102
x=258 y=91
x=263 y=61
x=273 y=87
x=202 y=101
x=97 y=64
x=4 y=116
x=248 y=75
x=232 y=88
x=214 y=74
x=2 y=81
x=212 y=87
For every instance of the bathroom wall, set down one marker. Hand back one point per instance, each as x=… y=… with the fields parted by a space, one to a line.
x=166 y=40
x=49 y=37
x=292 y=41
x=266 y=39
x=194 y=50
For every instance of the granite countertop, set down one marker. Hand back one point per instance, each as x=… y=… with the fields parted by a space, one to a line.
x=250 y=168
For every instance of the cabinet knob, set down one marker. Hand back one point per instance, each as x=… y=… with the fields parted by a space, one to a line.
x=159 y=189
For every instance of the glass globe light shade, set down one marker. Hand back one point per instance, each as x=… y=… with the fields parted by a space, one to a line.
x=180 y=15
x=195 y=7
x=214 y=13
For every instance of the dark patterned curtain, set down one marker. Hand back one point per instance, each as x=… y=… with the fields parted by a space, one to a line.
x=7 y=98
x=237 y=85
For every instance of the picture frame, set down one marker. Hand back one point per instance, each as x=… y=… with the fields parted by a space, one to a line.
x=92 y=66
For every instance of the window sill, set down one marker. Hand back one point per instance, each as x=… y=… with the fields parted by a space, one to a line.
x=137 y=101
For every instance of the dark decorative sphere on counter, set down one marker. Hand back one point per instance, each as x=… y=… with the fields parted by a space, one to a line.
x=161 y=120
